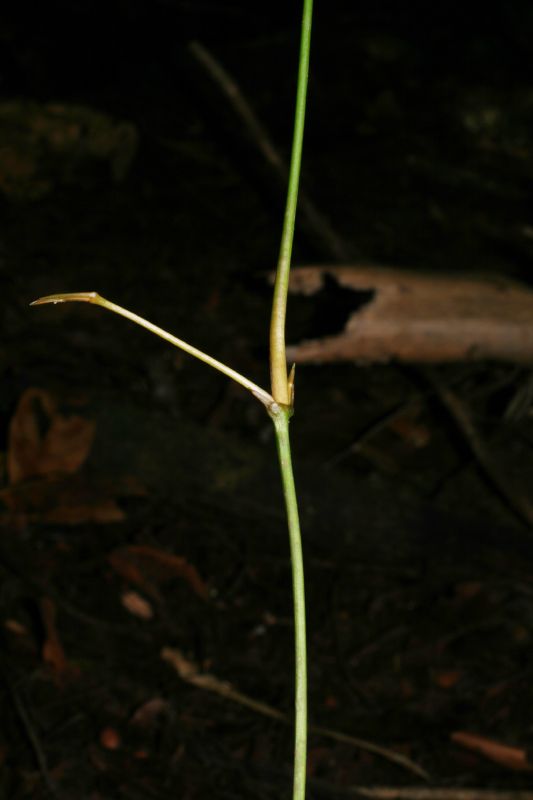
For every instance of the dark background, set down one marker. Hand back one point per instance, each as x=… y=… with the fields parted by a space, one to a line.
x=418 y=151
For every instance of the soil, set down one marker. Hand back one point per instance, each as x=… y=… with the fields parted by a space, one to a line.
x=141 y=505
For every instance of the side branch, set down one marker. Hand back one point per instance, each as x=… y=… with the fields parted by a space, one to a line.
x=95 y=299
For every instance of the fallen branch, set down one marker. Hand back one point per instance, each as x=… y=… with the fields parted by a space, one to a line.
x=321 y=228
x=515 y=758
x=188 y=671
x=430 y=793
x=31 y=733
x=419 y=318
x=518 y=504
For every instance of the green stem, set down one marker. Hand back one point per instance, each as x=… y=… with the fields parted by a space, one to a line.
x=278 y=365
x=280 y=416
x=281 y=409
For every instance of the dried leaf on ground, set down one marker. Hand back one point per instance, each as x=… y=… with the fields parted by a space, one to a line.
x=513 y=758
x=447 y=679
x=42 y=441
x=72 y=500
x=110 y=738
x=137 y=605
x=420 y=318
x=53 y=652
x=147 y=567
x=44 y=146
x=149 y=712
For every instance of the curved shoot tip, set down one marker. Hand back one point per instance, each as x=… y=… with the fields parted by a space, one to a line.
x=69 y=297
x=96 y=299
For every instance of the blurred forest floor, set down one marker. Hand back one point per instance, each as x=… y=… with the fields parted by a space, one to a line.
x=141 y=516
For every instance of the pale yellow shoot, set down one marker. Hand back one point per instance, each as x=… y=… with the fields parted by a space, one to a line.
x=96 y=299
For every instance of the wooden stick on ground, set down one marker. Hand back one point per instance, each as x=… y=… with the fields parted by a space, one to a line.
x=430 y=793
x=31 y=734
x=332 y=243
x=188 y=671
x=517 y=503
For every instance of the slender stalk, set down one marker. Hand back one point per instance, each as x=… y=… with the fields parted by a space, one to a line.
x=278 y=366
x=281 y=411
x=280 y=417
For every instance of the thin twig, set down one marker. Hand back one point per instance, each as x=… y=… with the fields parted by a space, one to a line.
x=517 y=503
x=373 y=430
x=322 y=229
x=31 y=735
x=430 y=793
x=188 y=671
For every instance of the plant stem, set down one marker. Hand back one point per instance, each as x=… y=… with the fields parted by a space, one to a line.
x=278 y=366
x=280 y=416
x=281 y=410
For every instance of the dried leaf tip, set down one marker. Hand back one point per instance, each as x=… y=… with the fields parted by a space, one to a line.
x=69 y=297
x=290 y=382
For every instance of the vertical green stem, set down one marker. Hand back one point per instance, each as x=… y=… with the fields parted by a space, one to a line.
x=278 y=366
x=280 y=417
x=281 y=409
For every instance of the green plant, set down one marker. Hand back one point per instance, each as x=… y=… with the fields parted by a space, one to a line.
x=279 y=403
